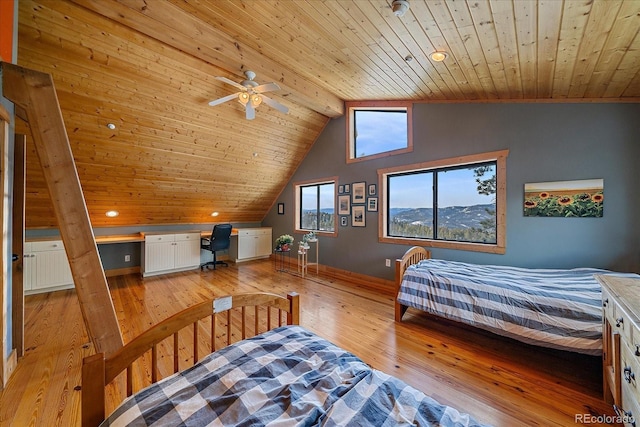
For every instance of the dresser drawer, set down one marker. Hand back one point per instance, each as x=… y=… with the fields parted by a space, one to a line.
x=630 y=370
x=621 y=322
x=608 y=305
x=629 y=411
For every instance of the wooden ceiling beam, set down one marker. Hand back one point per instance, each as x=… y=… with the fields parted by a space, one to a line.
x=34 y=93
x=175 y=27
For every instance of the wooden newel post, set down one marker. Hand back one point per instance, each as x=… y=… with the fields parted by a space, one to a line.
x=36 y=102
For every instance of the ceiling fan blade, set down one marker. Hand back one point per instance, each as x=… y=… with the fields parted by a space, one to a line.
x=250 y=111
x=267 y=87
x=274 y=104
x=231 y=82
x=223 y=99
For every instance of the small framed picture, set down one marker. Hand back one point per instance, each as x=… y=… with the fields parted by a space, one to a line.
x=344 y=205
x=372 y=189
x=347 y=188
x=358 y=195
x=280 y=208
x=344 y=221
x=372 y=204
x=340 y=189
x=358 y=216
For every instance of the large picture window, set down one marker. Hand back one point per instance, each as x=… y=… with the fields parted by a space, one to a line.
x=457 y=203
x=377 y=129
x=315 y=206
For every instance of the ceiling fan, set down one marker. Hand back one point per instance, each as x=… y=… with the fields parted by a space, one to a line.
x=251 y=95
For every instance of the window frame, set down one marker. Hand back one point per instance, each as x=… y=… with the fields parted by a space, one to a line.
x=353 y=106
x=298 y=204
x=500 y=157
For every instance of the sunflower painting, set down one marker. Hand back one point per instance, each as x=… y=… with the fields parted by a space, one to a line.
x=567 y=199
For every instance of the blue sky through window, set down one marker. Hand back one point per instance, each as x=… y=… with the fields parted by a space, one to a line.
x=379 y=131
x=457 y=187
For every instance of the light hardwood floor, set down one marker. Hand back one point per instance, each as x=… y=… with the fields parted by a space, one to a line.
x=497 y=380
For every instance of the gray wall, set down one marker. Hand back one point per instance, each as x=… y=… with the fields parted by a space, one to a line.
x=547 y=142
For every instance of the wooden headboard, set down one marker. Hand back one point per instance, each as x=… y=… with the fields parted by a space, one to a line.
x=412 y=256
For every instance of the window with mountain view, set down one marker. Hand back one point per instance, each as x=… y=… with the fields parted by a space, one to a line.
x=378 y=129
x=443 y=205
x=315 y=206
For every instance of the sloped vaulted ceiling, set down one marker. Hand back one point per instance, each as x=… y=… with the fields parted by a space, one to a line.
x=149 y=66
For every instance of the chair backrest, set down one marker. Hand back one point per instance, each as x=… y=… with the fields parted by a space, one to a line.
x=221 y=237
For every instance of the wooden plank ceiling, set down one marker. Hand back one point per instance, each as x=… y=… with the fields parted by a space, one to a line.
x=149 y=67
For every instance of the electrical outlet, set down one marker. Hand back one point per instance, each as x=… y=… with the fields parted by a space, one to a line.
x=127 y=258
x=387 y=262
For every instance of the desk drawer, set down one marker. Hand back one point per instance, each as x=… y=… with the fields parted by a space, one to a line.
x=49 y=245
x=156 y=238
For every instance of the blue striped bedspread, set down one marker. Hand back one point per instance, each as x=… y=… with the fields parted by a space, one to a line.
x=556 y=308
x=285 y=377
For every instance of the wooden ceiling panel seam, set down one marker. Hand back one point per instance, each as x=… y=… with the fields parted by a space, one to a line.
x=548 y=30
x=504 y=22
x=412 y=82
x=383 y=79
x=258 y=34
x=601 y=17
x=314 y=96
x=437 y=41
x=615 y=50
x=429 y=73
x=483 y=20
x=574 y=16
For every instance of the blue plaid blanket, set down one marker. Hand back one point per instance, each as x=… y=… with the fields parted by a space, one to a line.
x=286 y=377
x=556 y=308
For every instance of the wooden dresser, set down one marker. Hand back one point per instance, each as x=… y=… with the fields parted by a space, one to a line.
x=621 y=345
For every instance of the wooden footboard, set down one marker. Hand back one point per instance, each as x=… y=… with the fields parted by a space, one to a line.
x=412 y=256
x=98 y=371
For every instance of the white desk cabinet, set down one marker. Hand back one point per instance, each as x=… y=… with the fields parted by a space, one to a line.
x=46 y=267
x=252 y=243
x=166 y=253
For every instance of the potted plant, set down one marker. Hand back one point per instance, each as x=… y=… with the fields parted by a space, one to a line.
x=283 y=242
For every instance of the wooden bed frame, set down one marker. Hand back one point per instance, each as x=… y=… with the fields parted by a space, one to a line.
x=98 y=371
x=412 y=256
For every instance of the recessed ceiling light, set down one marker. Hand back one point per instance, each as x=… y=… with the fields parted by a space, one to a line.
x=112 y=214
x=214 y=214
x=439 y=56
x=111 y=126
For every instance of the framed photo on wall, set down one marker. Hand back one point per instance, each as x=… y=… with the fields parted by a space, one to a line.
x=344 y=205
x=358 y=216
x=372 y=204
x=358 y=195
x=372 y=189
x=280 y=208
x=347 y=188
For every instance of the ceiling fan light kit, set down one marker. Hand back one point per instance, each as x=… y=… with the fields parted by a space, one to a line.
x=251 y=95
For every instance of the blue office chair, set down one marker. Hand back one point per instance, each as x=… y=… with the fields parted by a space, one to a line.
x=220 y=240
